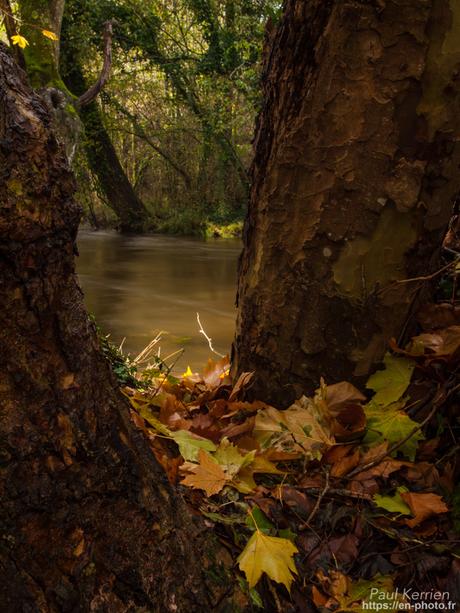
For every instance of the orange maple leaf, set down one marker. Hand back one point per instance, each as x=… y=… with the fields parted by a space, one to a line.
x=207 y=475
x=423 y=506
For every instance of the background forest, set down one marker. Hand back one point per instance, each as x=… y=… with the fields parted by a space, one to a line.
x=175 y=119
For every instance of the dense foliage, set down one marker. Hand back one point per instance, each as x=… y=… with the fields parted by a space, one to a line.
x=180 y=104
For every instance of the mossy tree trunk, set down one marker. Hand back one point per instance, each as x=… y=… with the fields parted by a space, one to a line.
x=42 y=58
x=101 y=154
x=355 y=172
x=88 y=520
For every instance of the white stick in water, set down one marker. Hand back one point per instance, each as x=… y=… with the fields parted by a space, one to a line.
x=207 y=337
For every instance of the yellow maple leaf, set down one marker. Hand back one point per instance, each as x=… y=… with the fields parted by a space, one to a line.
x=207 y=475
x=268 y=554
x=50 y=35
x=19 y=40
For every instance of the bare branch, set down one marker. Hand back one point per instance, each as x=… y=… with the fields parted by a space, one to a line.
x=207 y=337
x=91 y=94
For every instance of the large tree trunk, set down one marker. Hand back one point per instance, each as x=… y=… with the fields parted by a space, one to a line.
x=88 y=520
x=356 y=168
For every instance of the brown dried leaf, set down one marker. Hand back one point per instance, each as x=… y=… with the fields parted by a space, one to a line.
x=346 y=464
x=441 y=343
x=374 y=452
x=340 y=395
x=432 y=316
x=215 y=372
x=423 y=506
x=350 y=423
x=243 y=381
x=383 y=469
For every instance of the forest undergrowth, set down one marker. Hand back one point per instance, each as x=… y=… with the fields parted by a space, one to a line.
x=347 y=500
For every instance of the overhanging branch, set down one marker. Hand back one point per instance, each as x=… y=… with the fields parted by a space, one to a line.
x=92 y=93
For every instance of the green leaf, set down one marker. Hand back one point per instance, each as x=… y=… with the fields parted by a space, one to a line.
x=190 y=445
x=392 y=424
x=394 y=504
x=258 y=520
x=364 y=590
x=255 y=598
x=146 y=412
x=270 y=555
x=390 y=384
x=230 y=459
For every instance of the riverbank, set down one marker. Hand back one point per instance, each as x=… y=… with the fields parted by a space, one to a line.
x=181 y=225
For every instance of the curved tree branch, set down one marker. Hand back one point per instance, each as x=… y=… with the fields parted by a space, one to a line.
x=92 y=93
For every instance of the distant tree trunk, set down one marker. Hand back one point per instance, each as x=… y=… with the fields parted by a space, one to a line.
x=88 y=520
x=42 y=64
x=111 y=176
x=354 y=176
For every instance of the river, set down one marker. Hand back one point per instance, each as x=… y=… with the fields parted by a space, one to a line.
x=138 y=286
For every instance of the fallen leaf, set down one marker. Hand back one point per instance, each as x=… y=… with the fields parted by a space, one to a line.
x=301 y=428
x=340 y=395
x=423 y=506
x=441 y=343
x=207 y=475
x=390 y=423
x=319 y=599
x=299 y=502
x=393 y=504
x=271 y=555
x=190 y=445
x=390 y=384
x=344 y=548
x=349 y=424
x=432 y=316
x=213 y=371
x=345 y=464
x=230 y=459
x=383 y=469
x=243 y=381
x=244 y=480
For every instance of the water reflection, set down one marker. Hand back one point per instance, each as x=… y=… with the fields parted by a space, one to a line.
x=136 y=286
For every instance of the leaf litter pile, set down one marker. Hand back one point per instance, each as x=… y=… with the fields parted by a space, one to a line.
x=342 y=492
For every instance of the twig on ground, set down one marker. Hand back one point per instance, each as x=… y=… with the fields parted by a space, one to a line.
x=319 y=499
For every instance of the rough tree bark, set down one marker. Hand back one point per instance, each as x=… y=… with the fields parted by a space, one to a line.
x=354 y=176
x=88 y=521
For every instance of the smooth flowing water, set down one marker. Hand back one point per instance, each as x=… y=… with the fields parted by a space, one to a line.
x=138 y=286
